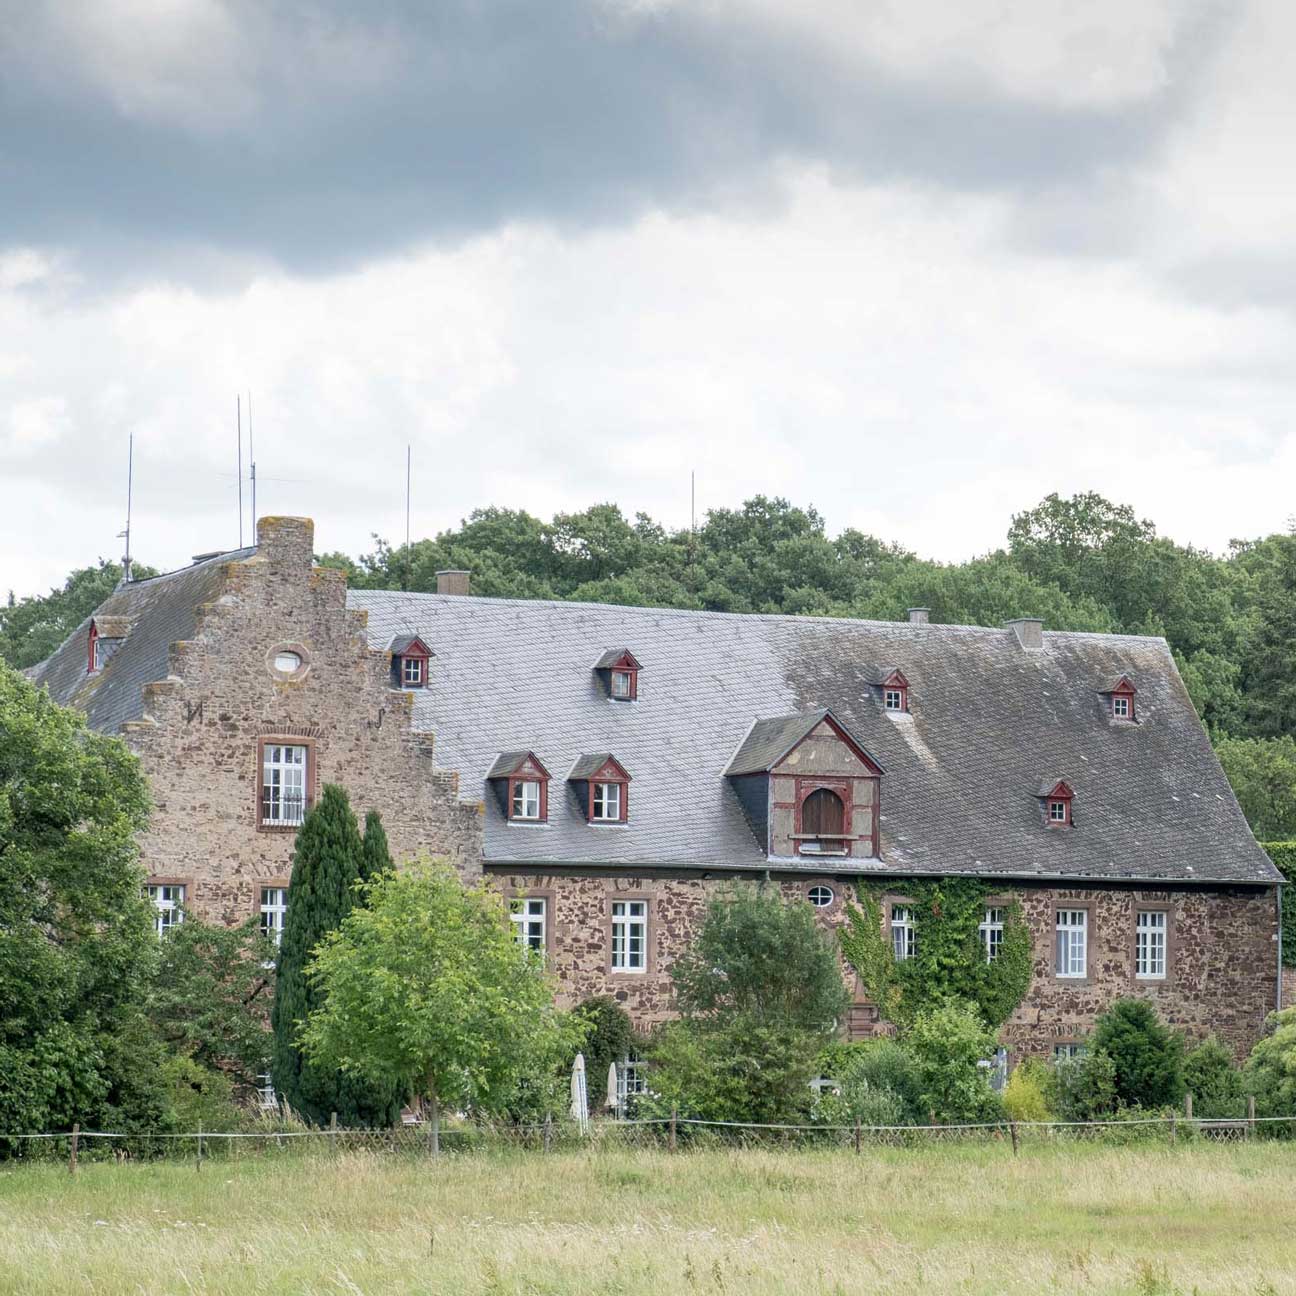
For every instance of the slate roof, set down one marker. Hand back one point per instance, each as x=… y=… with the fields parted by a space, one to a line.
x=506 y=763
x=768 y=741
x=612 y=656
x=989 y=721
x=156 y=613
x=587 y=764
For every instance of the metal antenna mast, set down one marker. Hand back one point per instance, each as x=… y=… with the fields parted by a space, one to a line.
x=130 y=482
x=238 y=406
x=252 y=460
x=409 y=454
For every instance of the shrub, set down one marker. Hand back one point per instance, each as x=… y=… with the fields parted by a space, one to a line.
x=201 y=1097
x=880 y=1084
x=947 y=1045
x=610 y=1035
x=1084 y=1087
x=1025 y=1097
x=1270 y=1071
x=1213 y=1080
x=1146 y=1054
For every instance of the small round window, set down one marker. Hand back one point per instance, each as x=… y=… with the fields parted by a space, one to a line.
x=287 y=662
x=820 y=896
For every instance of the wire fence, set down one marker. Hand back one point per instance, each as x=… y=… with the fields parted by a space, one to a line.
x=673 y=1133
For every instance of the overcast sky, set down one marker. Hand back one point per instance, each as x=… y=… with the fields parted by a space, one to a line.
x=916 y=262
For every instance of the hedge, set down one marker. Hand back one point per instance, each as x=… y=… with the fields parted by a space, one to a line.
x=1283 y=855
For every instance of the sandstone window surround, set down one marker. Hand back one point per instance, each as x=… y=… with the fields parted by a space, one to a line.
x=1071 y=941
x=629 y=949
x=530 y=918
x=167 y=896
x=286 y=781
x=1153 y=944
x=1064 y=1050
x=991 y=930
x=821 y=896
x=273 y=909
x=904 y=933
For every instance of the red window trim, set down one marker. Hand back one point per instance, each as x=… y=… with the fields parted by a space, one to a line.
x=896 y=683
x=624 y=785
x=1061 y=794
x=422 y=665
x=543 y=780
x=94 y=639
x=843 y=790
x=633 y=673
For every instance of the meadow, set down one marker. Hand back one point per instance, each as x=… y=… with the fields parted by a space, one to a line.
x=1152 y=1220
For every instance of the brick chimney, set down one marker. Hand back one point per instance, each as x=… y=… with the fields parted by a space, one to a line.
x=1029 y=632
x=286 y=541
x=452 y=581
x=919 y=616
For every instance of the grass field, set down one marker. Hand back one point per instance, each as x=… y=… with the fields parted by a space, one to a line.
x=1153 y=1221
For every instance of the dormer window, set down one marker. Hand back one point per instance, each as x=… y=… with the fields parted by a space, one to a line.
x=1120 y=699
x=602 y=787
x=521 y=785
x=1057 y=797
x=618 y=671
x=95 y=662
x=410 y=656
x=895 y=691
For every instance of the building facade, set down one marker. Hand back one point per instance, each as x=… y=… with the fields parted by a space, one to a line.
x=610 y=769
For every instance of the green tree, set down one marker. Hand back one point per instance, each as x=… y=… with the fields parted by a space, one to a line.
x=948 y=1044
x=375 y=856
x=1270 y=1072
x=321 y=893
x=209 y=996
x=1269 y=667
x=1146 y=1054
x=77 y=939
x=425 y=989
x=1084 y=1087
x=1213 y=1080
x=1262 y=773
x=610 y=1036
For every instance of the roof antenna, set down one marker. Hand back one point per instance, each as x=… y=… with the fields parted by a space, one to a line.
x=409 y=453
x=252 y=461
x=238 y=406
x=693 y=527
x=130 y=481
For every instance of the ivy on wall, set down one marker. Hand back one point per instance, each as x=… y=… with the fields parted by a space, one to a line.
x=1283 y=855
x=949 y=958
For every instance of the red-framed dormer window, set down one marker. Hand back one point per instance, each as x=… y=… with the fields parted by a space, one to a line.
x=523 y=783
x=619 y=670
x=604 y=788
x=413 y=671
x=410 y=656
x=94 y=651
x=823 y=817
x=1120 y=698
x=1057 y=798
x=895 y=692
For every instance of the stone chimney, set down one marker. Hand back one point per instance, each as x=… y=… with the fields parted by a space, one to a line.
x=919 y=616
x=286 y=541
x=1029 y=631
x=452 y=581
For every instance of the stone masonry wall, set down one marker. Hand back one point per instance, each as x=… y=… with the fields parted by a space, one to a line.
x=199 y=739
x=1222 y=969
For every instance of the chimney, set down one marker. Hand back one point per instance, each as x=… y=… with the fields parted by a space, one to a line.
x=286 y=541
x=1029 y=631
x=919 y=616
x=452 y=581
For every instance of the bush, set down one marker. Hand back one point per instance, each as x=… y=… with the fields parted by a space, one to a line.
x=1146 y=1054
x=947 y=1044
x=1270 y=1071
x=201 y=1097
x=1084 y=1087
x=880 y=1085
x=1214 y=1082
x=1025 y=1097
x=610 y=1035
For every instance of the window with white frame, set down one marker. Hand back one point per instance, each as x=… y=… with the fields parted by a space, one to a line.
x=412 y=672
x=1072 y=942
x=606 y=803
x=903 y=939
x=629 y=935
x=267 y=1100
x=274 y=905
x=283 y=784
x=1121 y=707
x=992 y=930
x=96 y=654
x=1150 y=945
x=1057 y=812
x=529 y=914
x=526 y=799
x=820 y=896
x=621 y=687
x=894 y=700
x=1065 y=1052
x=631 y=1078
x=168 y=903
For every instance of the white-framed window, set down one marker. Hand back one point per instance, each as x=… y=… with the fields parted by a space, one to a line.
x=267 y=1099
x=96 y=655
x=1057 y=812
x=992 y=929
x=287 y=662
x=631 y=1078
x=903 y=937
x=1121 y=707
x=526 y=799
x=621 y=687
x=629 y=935
x=274 y=905
x=894 y=700
x=529 y=915
x=283 y=784
x=1150 y=944
x=607 y=802
x=412 y=671
x=168 y=903
x=1072 y=942
x=1064 y=1052
x=820 y=896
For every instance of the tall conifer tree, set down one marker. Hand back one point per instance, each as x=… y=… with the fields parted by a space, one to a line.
x=327 y=862
x=376 y=856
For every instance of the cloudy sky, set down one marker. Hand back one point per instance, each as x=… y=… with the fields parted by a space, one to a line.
x=917 y=262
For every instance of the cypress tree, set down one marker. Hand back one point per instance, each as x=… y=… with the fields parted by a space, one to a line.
x=376 y=856
x=327 y=862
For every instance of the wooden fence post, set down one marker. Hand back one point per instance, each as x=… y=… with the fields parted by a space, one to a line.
x=333 y=1133
x=548 y=1130
x=1012 y=1129
x=198 y=1161
x=1174 y=1129
x=1251 y=1124
x=857 y=1136
x=673 y=1119
x=1188 y=1105
x=76 y=1138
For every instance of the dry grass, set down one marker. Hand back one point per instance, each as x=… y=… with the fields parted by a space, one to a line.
x=1146 y=1220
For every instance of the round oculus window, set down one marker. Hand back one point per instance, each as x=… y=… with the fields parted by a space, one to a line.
x=287 y=662
x=820 y=896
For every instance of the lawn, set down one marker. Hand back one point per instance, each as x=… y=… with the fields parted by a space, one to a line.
x=1149 y=1220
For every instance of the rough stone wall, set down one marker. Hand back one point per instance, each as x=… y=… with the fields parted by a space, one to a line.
x=1222 y=973
x=1289 y=987
x=199 y=739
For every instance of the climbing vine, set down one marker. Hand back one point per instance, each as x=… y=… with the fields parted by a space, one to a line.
x=949 y=959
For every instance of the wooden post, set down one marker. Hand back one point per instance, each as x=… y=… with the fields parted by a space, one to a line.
x=1174 y=1131
x=198 y=1161
x=1012 y=1129
x=857 y=1136
x=76 y=1138
x=673 y=1119
x=1188 y=1106
x=548 y=1131
x=333 y=1132
x=1251 y=1125
x=434 y=1127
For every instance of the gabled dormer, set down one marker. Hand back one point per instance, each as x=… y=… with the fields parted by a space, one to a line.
x=521 y=786
x=602 y=788
x=808 y=787
x=1120 y=700
x=894 y=690
x=618 y=673
x=409 y=658
x=106 y=635
x=1056 y=796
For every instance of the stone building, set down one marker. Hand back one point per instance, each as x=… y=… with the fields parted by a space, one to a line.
x=610 y=768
